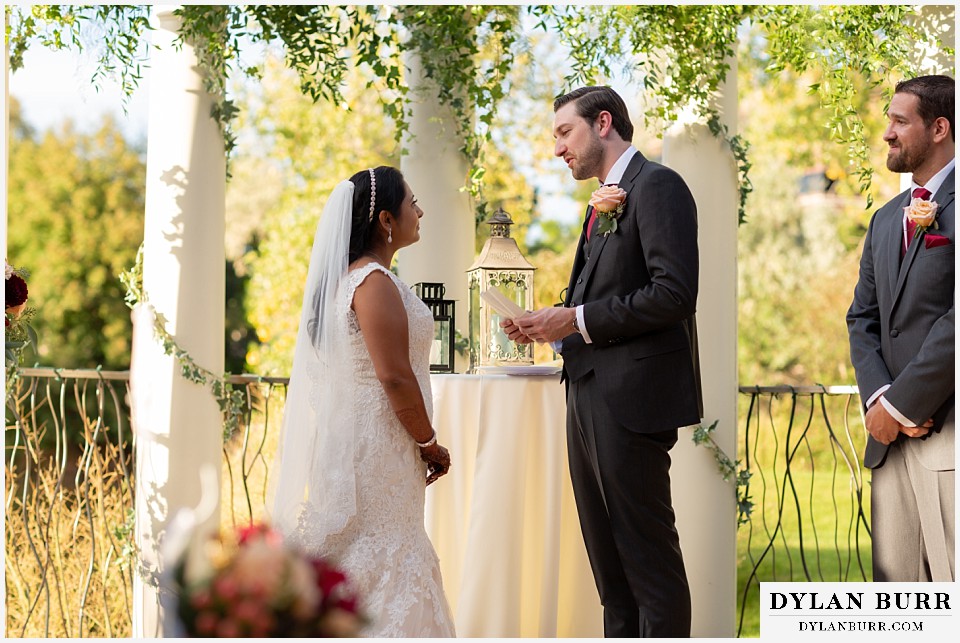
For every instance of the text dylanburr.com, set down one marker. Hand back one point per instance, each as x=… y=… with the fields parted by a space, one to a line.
x=853 y=610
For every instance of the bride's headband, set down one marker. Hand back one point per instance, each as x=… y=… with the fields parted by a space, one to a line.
x=373 y=192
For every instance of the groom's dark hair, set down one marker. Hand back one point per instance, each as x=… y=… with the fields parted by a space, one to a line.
x=389 y=196
x=936 y=97
x=590 y=101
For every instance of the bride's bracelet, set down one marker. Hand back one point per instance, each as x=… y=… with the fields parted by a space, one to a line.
x=428 y=443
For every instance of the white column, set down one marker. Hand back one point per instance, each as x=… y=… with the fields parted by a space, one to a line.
x=705 y=505
x=6 y=134
x=436 y=169
x=178 y=423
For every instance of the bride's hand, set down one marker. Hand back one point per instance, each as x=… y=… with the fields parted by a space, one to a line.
x=438 y=461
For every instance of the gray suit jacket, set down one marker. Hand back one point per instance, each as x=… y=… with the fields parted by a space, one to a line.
x=901 y=326
x=638 y=286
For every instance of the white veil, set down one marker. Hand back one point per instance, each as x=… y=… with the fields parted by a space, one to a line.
x=313 y=471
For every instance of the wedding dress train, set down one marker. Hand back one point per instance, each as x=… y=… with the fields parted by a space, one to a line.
x=384 y=548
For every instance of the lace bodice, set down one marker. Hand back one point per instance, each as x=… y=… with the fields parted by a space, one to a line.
x=420 y=332
x=384 y=547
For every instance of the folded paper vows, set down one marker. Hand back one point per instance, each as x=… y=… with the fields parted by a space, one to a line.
x=503 y=306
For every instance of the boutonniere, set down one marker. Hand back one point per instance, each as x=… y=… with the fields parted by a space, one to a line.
x=923 y=214
x=609 y=202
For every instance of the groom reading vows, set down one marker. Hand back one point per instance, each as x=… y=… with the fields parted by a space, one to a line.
x=629 y=362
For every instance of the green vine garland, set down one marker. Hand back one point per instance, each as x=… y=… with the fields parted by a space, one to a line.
x=679 y=51
x=728 y=469
x=229 y=400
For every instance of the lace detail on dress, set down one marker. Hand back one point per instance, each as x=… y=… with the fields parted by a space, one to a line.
x=384 y=548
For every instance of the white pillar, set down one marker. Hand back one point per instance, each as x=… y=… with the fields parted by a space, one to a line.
x=6 y=134
x=178 y=423
x=436 y=169
x=705 y=505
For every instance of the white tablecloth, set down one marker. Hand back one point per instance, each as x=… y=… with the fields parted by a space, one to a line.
x=504 y=521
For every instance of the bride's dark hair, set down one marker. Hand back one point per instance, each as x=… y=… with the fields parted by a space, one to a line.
x=390 y=193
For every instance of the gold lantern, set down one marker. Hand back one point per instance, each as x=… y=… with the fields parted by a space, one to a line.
x=502 y=267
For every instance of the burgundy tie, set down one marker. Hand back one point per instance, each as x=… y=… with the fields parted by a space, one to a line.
x=591 y=221
x=919 y=193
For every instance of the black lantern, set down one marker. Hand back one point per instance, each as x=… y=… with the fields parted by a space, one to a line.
x=441 y=352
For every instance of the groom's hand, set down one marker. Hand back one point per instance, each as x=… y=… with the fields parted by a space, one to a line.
x=513 y=332
x=547 y=324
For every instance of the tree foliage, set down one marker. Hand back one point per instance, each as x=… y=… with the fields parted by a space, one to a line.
x=798 y=257
x=680 y=53
x=75 y=218
x=311 y=147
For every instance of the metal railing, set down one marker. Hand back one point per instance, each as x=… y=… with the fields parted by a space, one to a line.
x=69 y=493
x=809 y=520
x=68 y=504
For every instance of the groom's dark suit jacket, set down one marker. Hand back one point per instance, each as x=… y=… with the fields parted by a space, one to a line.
x=901 y=326
x=638 y=286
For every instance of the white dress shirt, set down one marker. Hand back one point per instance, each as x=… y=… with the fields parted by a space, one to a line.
x=613 y=177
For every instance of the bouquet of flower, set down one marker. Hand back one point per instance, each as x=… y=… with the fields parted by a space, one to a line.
x=251 y=584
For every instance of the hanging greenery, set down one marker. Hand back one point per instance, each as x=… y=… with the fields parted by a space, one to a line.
x=680 y=53
x=230 y=400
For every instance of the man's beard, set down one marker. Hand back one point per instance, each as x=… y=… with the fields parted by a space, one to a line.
x=587 y=165
x=909 y=159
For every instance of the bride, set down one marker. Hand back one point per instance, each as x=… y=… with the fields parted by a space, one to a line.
x=357 y=448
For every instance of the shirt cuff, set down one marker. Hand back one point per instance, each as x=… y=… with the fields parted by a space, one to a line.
x=897 y=415
x=582 y=325
x=873 y=398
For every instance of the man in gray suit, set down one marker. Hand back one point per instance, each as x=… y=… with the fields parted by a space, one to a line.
x=629 y=361
x=901 y=326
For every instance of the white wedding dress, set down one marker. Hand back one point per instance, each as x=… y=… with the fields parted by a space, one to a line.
x=384 y=548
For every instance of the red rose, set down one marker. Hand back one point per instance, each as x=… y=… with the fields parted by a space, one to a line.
x=16 y=291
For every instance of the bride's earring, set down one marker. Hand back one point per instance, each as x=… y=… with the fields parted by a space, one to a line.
x=389 y=235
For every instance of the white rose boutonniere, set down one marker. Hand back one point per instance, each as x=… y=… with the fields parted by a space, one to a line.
x=609 y=202
x=923 y=213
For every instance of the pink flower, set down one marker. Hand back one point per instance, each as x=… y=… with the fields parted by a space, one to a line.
x=225 y=588
x=228 y=629
x=201 y=600
x=259 y=567
x=247 y=611
x=609 y=202
x=206 y=622
x=608 y=198
x=258 y=531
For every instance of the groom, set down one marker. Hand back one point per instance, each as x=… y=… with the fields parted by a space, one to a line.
x=902 y=342
x=629 y=361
